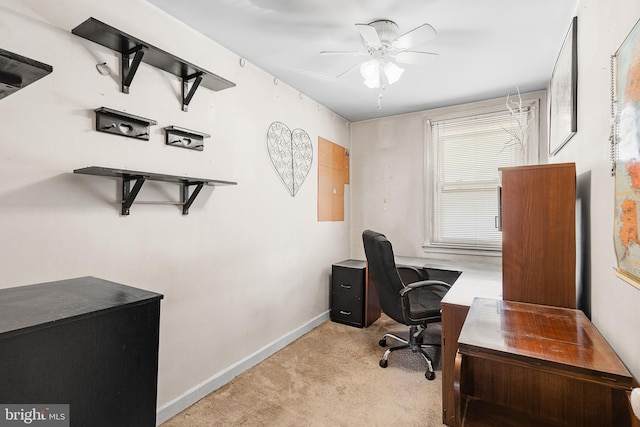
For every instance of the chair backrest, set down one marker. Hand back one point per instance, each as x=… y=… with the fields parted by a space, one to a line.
x=382 y=267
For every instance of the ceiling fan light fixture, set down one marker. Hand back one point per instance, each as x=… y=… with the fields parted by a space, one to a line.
x=370 y=72
x=393 y=72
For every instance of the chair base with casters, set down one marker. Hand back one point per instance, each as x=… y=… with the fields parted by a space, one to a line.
x=414 y=344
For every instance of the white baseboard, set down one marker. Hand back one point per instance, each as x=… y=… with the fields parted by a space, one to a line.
x=201 y=390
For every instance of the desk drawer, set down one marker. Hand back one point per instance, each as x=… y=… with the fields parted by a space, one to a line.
x=348 y=281
x=347 y=309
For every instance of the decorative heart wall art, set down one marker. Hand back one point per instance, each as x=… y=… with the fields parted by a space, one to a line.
x=291 y=154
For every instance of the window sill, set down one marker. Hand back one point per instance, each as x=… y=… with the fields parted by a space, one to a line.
x=485 y=253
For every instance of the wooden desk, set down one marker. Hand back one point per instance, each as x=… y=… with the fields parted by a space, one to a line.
x=476 y=280
x=529 y=364
x=469 y=280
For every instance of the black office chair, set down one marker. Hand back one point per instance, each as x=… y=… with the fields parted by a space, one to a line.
x=415 y=305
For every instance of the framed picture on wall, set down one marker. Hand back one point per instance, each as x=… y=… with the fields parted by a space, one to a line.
x=627 y=156
x=563 y=91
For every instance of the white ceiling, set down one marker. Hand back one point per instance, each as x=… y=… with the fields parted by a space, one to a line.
x=487 y=48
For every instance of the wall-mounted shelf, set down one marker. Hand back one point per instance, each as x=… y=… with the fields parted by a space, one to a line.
x=185 y=138
x=129 y=194
x=134 y=51
x=123 y=124
x=17 y=71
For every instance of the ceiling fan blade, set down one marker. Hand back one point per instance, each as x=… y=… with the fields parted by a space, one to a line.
x=369 y=36
x=343 y=52
x=347 y=70
x=414 y=57
x=421 y=34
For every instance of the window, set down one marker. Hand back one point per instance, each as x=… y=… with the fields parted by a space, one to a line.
x=465 y=152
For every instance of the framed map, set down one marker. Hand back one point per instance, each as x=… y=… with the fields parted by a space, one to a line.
x=627 y=156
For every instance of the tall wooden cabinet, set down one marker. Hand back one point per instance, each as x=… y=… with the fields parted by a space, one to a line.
x=538 y=234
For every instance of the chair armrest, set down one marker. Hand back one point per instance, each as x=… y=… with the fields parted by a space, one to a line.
x=420 y=273
x=425 y=284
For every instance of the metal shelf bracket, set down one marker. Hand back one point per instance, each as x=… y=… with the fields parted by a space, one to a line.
x=187 y=200
x=129 y=67
x=187 y=93
x=128 y=194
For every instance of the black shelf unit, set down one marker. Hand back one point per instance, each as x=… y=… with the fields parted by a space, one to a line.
x=86 y=342
x=17 y=71
x=185 y=138
x=123 y=124
x=129 y=194
x=134 y=51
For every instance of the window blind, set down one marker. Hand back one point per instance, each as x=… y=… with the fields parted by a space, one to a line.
x=467 y=153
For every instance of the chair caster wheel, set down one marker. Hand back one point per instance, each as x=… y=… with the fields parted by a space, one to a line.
x=383 y=342
x=430 y=376
x=383 y=363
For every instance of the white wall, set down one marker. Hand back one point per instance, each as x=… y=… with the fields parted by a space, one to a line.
x=387 y=182
x=614 y=304
x=247 y=266
x=387 y=179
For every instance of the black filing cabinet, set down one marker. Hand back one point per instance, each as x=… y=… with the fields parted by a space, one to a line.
x=85 y=342
x=351 y=301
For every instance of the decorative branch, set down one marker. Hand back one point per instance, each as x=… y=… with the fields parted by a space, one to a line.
x=519 y=130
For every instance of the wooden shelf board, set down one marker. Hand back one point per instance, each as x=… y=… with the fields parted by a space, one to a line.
x=119 y=41
x=480 y=413
x=17 y=71
x=124 y=173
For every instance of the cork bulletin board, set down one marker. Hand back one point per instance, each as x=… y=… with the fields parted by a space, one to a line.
x=333 y=174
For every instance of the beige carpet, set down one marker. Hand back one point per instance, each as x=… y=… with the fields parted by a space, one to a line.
x=328 y=377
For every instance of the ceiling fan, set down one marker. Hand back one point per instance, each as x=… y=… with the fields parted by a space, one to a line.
x=387 y=49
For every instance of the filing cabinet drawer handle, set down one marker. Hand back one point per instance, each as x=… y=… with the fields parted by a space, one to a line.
x=345 y=286
x=345 y=313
